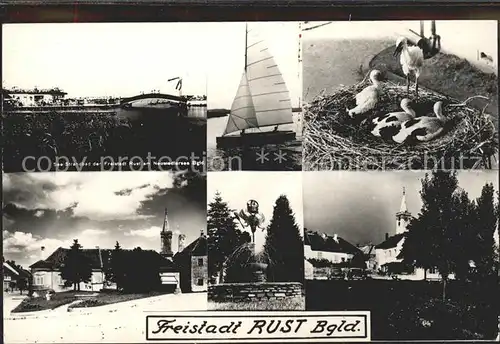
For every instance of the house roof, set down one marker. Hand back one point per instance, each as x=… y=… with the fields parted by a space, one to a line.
x=390 y=242
x=197 y=248
x=56 y=259
x=16 y=270
x=327 y=243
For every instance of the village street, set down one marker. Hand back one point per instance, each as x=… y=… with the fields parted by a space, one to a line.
x=125 y=321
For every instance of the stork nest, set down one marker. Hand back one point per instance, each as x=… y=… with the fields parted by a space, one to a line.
x=335 y=141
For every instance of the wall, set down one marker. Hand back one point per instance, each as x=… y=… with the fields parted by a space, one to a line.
x=308 y=270
x=388 y=255
x=334 y=257
x=199 y=273
x=248 y=292
x=53 y=280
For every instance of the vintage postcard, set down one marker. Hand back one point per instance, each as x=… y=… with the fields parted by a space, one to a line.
x=254 y=107
x=418 y=250
x=393 y=95
x=103 y=97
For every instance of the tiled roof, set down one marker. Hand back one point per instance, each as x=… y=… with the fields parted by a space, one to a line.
x=326 y=243
x=390 y=242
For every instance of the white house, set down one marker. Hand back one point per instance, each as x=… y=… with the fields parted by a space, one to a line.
x=332 y=248
x=387 y=252
x=36 y=97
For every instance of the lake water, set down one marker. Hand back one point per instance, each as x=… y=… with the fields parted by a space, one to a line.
x=197 y=111
x=219 y=160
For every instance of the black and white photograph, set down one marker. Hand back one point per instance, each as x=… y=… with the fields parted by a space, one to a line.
x=419 y=250
x=86 y=256
x=103 y=96
x=255 y=241
x=254 y=105
x=400 y=95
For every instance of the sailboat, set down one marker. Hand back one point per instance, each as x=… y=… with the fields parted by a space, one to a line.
x=261 y=102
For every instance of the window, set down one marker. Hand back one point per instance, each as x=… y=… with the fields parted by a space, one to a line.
x=38 y=280
x=200 y=282
x=200 y=261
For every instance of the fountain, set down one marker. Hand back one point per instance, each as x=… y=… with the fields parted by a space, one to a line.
x=245 y=277
x=256 y=262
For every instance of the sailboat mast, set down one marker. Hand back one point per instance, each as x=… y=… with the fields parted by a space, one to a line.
x=246 y=44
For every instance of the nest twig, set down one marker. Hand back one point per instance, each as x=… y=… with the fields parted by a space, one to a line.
x=332 y=140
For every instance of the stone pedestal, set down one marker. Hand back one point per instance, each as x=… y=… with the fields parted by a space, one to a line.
x=258 y=272
x=257 y=269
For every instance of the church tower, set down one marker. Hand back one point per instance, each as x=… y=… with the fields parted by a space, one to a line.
x=166 y=238
x=403 y=216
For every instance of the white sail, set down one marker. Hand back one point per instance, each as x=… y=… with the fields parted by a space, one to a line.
x=262 y=98
x=242 y=111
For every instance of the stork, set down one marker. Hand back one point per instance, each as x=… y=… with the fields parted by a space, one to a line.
x=368 y=97
x=389 y=124
x=424 y=128
x=411 y=59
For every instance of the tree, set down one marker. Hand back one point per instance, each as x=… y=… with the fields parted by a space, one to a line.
x=223 y=235
x=116 y=269
x=141 y=270
x=486 y=223
x=284 y=245
x=76 y=267
x=22 y=284
x=430 y=237
x=463 y=220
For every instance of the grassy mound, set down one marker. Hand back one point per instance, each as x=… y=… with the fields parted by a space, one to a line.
x=333 y=140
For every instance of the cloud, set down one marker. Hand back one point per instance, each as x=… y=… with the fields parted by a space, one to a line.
x=27 y=246
x=152 y=232
x=93 y=232
x=98 y=196
x=17 y=242
x=39 y=213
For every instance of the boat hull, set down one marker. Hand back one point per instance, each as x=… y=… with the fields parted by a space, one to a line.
x=255 y=139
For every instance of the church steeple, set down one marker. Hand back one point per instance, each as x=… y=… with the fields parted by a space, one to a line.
x=166 y=237
x=403 y=217
x=404 y=207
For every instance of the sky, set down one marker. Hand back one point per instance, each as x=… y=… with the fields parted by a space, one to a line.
x=226 y=58
x=361 y=206
x=236 y=188
x=105 y=59
x=98 y=209
x=124 y=59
